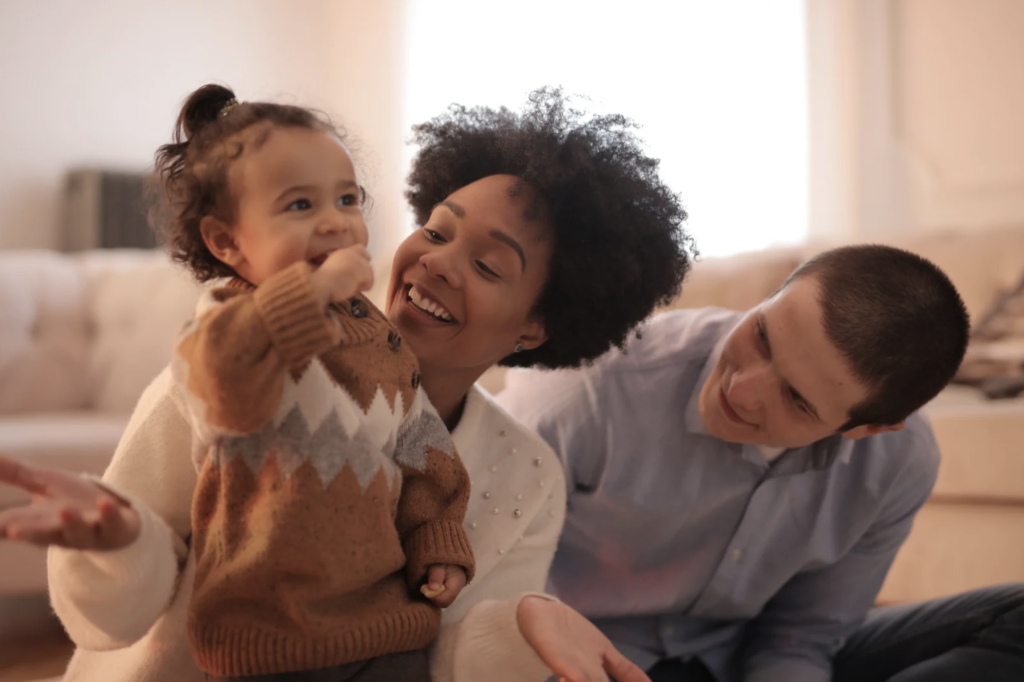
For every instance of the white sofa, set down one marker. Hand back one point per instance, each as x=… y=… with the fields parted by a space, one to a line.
x=80 y=338
x=82 y=335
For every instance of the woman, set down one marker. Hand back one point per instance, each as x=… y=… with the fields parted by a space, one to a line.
x=547 y=237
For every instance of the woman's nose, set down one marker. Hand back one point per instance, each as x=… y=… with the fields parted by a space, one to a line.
x=439 y=265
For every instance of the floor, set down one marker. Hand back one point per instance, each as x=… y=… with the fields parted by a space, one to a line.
x=33 y=645
x=35 y=657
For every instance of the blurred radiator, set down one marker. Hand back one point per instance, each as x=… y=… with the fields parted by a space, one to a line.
x=105 y=210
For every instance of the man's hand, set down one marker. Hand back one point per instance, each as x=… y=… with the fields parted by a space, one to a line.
x=569 y=644
x=66 y=510
x=444 y=582
x=345 y=273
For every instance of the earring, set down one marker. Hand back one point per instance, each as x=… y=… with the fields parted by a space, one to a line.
x=519 y=348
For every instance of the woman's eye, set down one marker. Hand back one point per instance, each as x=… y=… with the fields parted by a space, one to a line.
x=433 y=235
x=486 y=270
x=300 y=205
x=348 y=200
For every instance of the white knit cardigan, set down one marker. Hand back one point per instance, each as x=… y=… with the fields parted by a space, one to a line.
x=126 y=609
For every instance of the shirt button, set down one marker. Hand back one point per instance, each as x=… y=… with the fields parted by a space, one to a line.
x=737 y=554
x=394 y=340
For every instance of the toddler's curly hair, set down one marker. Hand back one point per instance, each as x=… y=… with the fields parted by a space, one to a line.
x=191 y=172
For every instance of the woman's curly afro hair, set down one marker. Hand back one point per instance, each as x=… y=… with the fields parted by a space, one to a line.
x=620 y=247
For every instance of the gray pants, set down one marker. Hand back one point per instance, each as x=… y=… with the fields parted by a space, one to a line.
x=409 y=666
x=977 y=636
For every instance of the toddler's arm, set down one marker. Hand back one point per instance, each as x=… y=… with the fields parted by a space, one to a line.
x=232 y=358
x=435 y=494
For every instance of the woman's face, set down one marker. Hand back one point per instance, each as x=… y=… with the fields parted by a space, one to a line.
x=463 y=286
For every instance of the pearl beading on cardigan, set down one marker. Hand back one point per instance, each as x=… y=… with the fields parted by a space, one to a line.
x=517 y=513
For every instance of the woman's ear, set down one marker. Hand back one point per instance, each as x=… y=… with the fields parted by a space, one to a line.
x=221 y=242
x=533 y=336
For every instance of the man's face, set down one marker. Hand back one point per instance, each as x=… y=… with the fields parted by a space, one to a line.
x=780 y=381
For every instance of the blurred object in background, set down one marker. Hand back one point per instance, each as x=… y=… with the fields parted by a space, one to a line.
x=105 y=210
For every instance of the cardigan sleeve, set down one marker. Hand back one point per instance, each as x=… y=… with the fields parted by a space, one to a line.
x=480 y=637
x=109 y=600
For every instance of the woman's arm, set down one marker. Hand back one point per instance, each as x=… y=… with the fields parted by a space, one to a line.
x=110 y=599
x=480 y=637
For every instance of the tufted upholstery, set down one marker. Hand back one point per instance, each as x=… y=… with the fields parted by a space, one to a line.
x=80 y=338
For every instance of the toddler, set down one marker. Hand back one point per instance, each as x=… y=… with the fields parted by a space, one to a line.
x=329 y=490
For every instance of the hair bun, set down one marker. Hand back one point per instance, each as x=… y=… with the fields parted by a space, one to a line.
x=202 y=108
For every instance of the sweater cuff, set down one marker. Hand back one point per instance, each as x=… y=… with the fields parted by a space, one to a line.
x=437 y=542
x=495 y=648
x=296 y=322
x=110 y=599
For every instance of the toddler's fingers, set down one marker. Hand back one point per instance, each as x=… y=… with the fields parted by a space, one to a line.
x=436 y=576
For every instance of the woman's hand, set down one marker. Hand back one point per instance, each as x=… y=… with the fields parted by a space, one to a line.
x=571 y=645
x=66 y=510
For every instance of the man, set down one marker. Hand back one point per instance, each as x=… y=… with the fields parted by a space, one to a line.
x=739 y=484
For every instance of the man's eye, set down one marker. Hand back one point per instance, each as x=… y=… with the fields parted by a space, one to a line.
x=300 y=205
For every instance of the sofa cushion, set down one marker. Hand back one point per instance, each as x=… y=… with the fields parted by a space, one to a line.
x=44 y=333
x=75 y=441
x=980 y=443
x=138 y=302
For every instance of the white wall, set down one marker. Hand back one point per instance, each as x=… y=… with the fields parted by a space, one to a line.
x=916 y=114
x=100 y=83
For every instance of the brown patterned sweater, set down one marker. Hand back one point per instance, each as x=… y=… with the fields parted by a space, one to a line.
x=327 y=483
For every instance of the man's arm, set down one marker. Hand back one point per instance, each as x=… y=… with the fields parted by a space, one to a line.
x=800 y=630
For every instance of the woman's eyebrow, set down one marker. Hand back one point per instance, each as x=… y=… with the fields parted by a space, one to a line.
x=508 y=240
x=453 y=207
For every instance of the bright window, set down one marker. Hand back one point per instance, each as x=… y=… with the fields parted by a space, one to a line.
x=718 y=86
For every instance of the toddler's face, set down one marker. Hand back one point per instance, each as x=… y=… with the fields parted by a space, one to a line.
x=298 y=200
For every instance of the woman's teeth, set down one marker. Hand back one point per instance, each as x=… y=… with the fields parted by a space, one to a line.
x=428 y=306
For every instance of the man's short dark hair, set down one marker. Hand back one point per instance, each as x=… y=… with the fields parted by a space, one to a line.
x=897 y=319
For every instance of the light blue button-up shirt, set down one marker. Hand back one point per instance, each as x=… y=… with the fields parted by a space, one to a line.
x=678 y=544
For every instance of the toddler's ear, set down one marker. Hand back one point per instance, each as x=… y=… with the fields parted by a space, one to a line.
x=220 y=240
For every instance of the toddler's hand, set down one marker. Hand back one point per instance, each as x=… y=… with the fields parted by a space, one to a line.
x=344 y=273
x=66 y=510
x=444 y=582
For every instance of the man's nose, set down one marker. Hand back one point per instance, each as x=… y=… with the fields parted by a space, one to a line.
x=748 y=387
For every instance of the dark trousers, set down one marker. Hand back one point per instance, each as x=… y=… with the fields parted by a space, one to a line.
x=410 y=666
x=972 y=637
